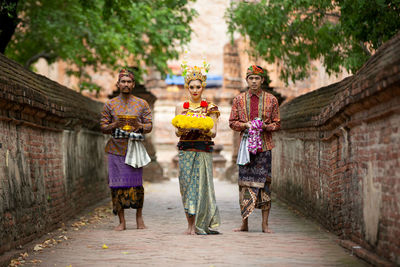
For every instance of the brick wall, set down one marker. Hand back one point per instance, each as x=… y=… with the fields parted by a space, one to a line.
x=51 y=154
x=337 y=157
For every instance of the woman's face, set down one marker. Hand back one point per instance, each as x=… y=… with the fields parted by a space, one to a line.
x=195 y=90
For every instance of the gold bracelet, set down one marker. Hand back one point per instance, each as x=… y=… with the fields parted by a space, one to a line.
x=181 y=131
x=209 y=133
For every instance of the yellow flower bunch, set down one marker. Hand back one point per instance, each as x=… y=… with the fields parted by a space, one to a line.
x=193 y=121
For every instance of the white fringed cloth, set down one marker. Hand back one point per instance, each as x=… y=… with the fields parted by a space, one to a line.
x=136 y=154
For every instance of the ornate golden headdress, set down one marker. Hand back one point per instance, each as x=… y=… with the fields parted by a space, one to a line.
x=195 y=73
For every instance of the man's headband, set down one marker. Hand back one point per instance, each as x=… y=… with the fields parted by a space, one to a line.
x=125 y=72
x=254 y=70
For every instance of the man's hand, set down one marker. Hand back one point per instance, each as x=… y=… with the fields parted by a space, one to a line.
x=264 y=126
x=248 y=125
x=119 y=123
x=134 y=123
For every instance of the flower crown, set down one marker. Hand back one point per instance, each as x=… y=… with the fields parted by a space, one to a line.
x=195 y=73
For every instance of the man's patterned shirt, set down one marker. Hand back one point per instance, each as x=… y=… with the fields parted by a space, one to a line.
x=117 y=106
x=268 y=110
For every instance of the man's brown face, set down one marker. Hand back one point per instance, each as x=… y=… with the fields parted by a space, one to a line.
x=254 y=82
x=126 y=84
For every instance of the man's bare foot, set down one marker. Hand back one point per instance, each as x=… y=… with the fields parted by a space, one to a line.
x=139 y=220
x=120 y=227
x=141 y=226
x=242 y=228
x=266 y=229
x=140 y=223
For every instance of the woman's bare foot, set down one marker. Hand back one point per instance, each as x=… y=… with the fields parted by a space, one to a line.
x=193 y=230
x=120 y=227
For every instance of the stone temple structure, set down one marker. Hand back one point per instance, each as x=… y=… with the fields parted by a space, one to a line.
x=228 y=62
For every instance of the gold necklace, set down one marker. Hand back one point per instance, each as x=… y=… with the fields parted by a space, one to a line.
x=194 y=105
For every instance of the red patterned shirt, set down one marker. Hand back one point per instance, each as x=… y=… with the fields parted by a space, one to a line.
x=268 y=111
x=254 y=100
x=117 y=106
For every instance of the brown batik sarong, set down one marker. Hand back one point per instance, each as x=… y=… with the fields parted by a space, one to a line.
x=254 y=184
x=125 y=198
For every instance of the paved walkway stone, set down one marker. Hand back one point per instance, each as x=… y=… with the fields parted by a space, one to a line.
x=296 y=241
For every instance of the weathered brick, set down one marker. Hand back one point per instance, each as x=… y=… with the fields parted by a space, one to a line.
x=32 y=182
x=358 y=158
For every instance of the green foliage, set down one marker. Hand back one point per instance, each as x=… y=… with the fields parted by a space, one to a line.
x=101 y=34
x=341 y=33
x=8 y=8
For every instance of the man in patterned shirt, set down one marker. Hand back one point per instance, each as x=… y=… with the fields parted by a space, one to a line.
x=125 y=181
x=255 y=176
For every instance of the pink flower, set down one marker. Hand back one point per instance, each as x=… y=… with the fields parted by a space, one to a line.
x=255 y=142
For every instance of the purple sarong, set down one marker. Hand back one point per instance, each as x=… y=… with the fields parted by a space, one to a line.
x=122 y=175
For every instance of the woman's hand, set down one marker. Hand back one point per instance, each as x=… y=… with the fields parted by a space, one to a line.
x=182 y=131
x=206 y=132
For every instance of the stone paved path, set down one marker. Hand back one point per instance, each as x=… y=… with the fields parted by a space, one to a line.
x=296 y=241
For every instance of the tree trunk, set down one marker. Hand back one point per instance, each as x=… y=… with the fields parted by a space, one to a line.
x=8 y=22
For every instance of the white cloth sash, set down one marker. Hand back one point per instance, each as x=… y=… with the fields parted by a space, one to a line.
x=243 y=156
x=136 y=154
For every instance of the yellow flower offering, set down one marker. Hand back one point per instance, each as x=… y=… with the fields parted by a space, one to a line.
x=193 y=121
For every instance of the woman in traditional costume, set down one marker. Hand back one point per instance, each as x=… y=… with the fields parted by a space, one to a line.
x=195 y=154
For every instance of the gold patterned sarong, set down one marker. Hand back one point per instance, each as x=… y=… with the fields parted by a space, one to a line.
x=197 y=190
x=125 y=198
